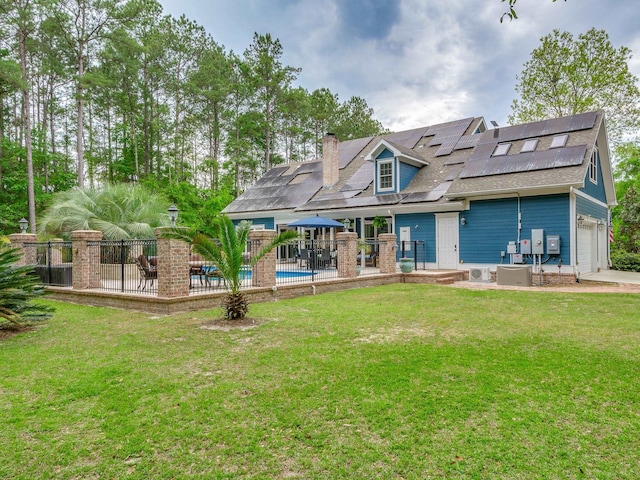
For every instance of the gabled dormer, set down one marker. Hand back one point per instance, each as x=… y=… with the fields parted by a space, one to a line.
x=394 y=167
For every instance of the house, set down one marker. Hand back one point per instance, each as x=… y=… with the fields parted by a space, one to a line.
x=457 y=194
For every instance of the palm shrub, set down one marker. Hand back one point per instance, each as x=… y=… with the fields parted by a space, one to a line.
x=118 y=211
x=18 y=288
x=226 y=253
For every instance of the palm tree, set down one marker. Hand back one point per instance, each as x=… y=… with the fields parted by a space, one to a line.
x=226 y=252
x=18 y=287
x=118 y=211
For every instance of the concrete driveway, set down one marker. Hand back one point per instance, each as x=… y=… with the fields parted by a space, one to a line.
x=613 y=276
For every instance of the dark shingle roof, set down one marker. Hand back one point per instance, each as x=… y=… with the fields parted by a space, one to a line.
x=460 y=164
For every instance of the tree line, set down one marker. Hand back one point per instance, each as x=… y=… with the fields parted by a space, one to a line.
x=110 y=91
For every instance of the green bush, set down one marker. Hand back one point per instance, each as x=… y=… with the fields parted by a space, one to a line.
x=18 y=289
x=626 y=261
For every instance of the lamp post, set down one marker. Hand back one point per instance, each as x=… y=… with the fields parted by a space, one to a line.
x=24 y=223
x=173 y=214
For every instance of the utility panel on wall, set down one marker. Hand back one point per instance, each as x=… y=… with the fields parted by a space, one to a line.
x=537 y=241
x=553 y=244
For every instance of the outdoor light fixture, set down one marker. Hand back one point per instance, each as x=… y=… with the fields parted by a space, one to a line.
x=463 y=221
x=346 y=224
x=173 y=214
x=24 y=223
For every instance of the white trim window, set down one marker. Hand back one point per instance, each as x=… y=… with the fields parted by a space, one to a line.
x=593 y=167
x=386 y=177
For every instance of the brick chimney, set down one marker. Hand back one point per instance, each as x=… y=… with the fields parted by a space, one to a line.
x=330 y=164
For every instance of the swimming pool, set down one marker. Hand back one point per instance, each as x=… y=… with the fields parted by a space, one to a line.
x=283 y=274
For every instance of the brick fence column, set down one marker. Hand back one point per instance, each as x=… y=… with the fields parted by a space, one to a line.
x=29 y=252
x=55 y=251
x=387 y=252
x=173 y=266
x=347 y=254
x=86 y=259
x=264 y=272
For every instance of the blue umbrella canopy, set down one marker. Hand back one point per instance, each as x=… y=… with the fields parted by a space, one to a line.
x=316 y=222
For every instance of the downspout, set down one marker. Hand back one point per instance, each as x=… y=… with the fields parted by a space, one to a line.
x=519 y=222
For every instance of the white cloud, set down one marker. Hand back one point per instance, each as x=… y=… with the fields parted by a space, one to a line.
x=439 y=61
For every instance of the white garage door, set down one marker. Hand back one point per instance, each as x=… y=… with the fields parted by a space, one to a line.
x=586 y=248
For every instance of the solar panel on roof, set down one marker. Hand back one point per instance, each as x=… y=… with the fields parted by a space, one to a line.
x=408 y=138
x=440 y=139
x=525 y=162
x=447 y=146
x=350 y=149
x=556 y=125
x=309 y=167
x=582 y=121
x=275 y=171
x=361 y=179
x=467 y=141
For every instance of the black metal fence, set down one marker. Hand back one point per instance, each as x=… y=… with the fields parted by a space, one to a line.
x=53 y=263
x=127 y=266
x=417 y=250
x=312 y=260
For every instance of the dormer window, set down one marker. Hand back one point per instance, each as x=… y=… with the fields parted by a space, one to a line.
x=559 y=141
x=385 y=175
x=501 y=149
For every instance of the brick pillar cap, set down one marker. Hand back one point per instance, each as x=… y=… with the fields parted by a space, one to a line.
x=23 y=238
x=86 y=235
x=262 y=233
x=346 y=235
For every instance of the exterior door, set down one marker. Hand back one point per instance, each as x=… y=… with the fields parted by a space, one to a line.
x=586 y=249
x=447 y=238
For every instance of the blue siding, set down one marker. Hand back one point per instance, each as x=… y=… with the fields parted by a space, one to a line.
x=595 y=190
x=425 y=232
x=492 y=224
x=585 y=207
x=386 y=153
x=407 y=172
x=266 y=221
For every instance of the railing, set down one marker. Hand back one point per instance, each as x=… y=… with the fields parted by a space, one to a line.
x=53 y=263
x=133 y=266
x=312 y=260
x=307 y=261
x=417 y=250
x=127 y=266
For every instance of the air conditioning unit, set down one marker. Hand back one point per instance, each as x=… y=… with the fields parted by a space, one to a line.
x=479 y=274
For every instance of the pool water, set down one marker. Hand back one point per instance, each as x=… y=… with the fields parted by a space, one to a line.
x=283 y=274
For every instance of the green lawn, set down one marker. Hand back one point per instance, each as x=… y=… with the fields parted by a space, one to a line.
x=402 y=381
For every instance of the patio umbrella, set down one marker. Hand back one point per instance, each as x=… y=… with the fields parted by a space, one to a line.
x=316 y=222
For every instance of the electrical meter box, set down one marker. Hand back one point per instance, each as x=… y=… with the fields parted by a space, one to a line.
x=525 y=246
x=553 y=244
x=511 y=248
x=537 y=241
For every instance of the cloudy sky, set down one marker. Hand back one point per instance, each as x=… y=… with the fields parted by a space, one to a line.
x=416 y=62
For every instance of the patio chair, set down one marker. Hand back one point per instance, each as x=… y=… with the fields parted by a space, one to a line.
x=212 y=273
x=324 y=259
x=147 y=271
x=303 y=256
